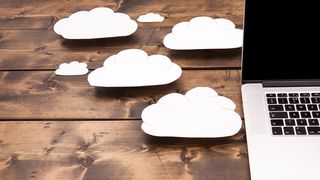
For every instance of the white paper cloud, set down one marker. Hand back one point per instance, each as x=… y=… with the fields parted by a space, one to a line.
x=201 y=112
x=150 y=17
x=204 y=33
x=100 y=22
x=132 y=68
x=72 y=69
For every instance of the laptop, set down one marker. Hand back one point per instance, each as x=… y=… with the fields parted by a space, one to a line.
x=281 y=90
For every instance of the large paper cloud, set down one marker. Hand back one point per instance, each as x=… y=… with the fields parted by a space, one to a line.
x=204 y=33
x=150 y=17
x=72 y=69
x=200 y=113
x=132 y=68
x=100 y=22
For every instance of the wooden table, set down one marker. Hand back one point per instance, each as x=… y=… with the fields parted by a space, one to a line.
x=55 y=127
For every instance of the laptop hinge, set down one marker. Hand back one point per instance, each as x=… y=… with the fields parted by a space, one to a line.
x=290 y=83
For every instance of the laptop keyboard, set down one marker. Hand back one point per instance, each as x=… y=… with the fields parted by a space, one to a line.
x=294 y=113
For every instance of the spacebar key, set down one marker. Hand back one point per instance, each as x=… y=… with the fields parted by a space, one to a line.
x=278 y=115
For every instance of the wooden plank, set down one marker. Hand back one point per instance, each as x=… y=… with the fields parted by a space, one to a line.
x=54 y=7
x=42 y=49
x=42 y=95
x=173 y=19
x=50 y=59
x=114 y=150
x=27 y=22
x=39 y=40
x=133 y=8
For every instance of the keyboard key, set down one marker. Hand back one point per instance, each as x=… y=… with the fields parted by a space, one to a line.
x=313 y=122
x=305 y=114
x=294 y=100
x=288 y=130
x=304 y=100
x=293 y=95
x=282 y=95
x=272 y=100
x=316 y=114
x=315 y=94
x=305 y=94
x=301 y=122
x=313 y=130
x=301 y=131
x=271 y=95
x=290 y=122
x=315 y=100
x=301 y=107
x=278 y=115
x=312 y=107
x=277 y=122
x=290 y=108
x=277 y=131
x=282 y=101
x=275 y=107
x=294 y=115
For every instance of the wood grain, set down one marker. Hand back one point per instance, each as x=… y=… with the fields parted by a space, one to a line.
x=131 y=7
x=39 y=40
x=45 y=22
x=45 y=50
x=21 y=22
x=114 y=150
x=51 y=59
x=42 y=95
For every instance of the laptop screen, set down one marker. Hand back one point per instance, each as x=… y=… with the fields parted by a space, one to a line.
x=280 y=41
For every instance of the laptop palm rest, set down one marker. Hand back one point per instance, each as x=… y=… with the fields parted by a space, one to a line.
x=250 y=94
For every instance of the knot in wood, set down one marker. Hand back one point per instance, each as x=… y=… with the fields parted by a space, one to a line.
x=85 y=161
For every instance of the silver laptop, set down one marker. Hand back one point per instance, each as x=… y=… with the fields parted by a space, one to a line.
x=281 y=90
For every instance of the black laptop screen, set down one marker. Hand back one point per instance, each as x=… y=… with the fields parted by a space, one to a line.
x=280 y=41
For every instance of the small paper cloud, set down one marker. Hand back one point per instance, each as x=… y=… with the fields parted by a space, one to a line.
x=100 y=22
x=151 y=17
x=204 y=33
x=132 y=68
x=72 y=69
x=201 y=113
